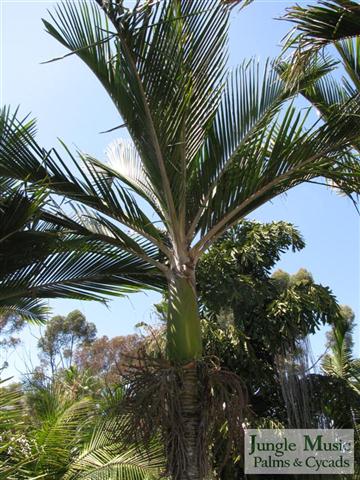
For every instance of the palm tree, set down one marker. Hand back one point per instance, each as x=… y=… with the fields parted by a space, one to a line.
x=340 y=365
x=208 y=147
x=11 y=425
x=339 y=362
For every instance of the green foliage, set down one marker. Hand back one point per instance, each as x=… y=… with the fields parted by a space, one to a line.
x=204 y=156
x=50 y=434
x=105 y=456
x=339 y=360
x=41 y=255
x=252 y=313
x=243 y=258
x=235 y=278
x=10 y=404
x=13 y=442
x=333 y=23
x=325 y=22
x=53 y=433
x=24 y=243
x=343 y=329
x=254 y=316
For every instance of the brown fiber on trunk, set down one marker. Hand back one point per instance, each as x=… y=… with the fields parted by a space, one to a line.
x=186 y=407
x=189 y=401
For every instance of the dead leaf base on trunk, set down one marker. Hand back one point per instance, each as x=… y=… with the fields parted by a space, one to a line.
x=190 y=408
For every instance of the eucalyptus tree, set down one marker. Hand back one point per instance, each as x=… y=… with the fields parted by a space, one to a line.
x=208 y=146
x=62 y=335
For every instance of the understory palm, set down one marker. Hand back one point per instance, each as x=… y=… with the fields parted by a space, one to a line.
x=47 y=434
x=339 y=361
x=208 y=146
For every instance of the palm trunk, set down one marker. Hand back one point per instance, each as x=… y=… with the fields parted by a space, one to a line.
x=183 y=330
x=191 y=416
x=184 y=346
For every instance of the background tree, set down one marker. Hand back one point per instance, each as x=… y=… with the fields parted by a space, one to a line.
x=10 y=326
x=346 y=322
x=339 y=361
x=108 y=357
x=255 y=319
x=253 y=313
x=209 y=147
x=62 y=336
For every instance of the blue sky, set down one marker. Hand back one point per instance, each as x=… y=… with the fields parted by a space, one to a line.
x=69 y=103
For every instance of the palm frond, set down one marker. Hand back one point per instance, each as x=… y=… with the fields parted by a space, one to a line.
x=103 y=457
x=58 y=435
x=47 y=254
x=250 y=102
x=10 y=406
x=22 y=243
x=324 y=92
x=12 y=426
x=339 y=22
x=339 y=362
x=125 y=164
x=280 y=156
x=349 y=51
x=22 y=158
x=325 y=22
x=208 y=147
x=31 y=310
x=326 y=95
x=329 y=93
x=89 y=271
x=51 y=436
